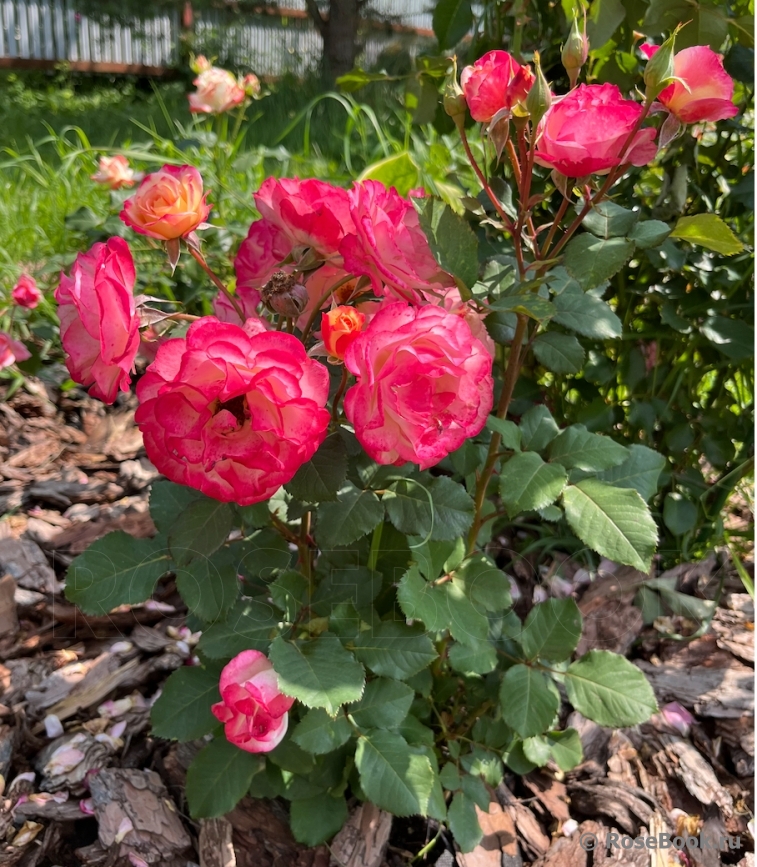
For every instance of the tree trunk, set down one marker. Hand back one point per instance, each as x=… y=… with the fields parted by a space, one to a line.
x=339 y=33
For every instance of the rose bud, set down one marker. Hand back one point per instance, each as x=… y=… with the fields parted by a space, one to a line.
x=11 y=351
x=167 y=204
x=339 y=328
x=252 y=708
x=251 y=85
x=99 y=325
x=495 y=81
x=539 y=98
x=114 y=172
x=25 y=293
x=575 y=51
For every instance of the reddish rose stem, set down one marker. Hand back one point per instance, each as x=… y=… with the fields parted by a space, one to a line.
x=200 y=259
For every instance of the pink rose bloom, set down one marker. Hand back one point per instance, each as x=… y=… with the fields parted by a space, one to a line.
x=310 y=213
x=584 y=132
x=260 y=255
x=247 y=299
x=99 y=325
x=217 y=91
x=25 y=293
x=114 y=172
x=168 y=204
x=453 y=303
x=318 y=283
x=495 y=81
x=232 y=411
x=705 y=91
x=388 y=245
x=424 y=385
x=252 y=708
x=11 y=351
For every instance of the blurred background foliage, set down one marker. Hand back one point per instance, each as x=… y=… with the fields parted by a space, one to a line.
x=680 y=380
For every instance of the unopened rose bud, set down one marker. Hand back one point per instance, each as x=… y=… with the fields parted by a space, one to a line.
x=282 y=294
x=660 y=69
x=575 y=51
x=251 y=85
x=199 y=64
x=539 y=98
x=454 y=101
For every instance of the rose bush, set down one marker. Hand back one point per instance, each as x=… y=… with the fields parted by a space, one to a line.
x=377 y=407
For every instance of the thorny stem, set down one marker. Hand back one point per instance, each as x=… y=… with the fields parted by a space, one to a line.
x=200 y=259
x=518 y=233
x=508 y=386
x=183 y=317
x=485 y=184
x=303 y=544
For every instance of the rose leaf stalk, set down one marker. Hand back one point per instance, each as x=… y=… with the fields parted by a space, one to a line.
x=200 y=259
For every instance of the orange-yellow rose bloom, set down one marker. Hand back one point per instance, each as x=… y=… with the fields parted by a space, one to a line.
x=339 y=327
x=168 y=204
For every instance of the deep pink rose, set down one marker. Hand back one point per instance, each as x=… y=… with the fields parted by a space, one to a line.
x=247 y=299
x=168 y=204
x=11 y=351
x=453 y=303
x=584 y=132
x=388 y=245
x=424 y=385
x=232 y=411
x=495 y=81
x=705 y=91
x=25 y=293
x=99 y=325
x=310 y=213
x=252 y=708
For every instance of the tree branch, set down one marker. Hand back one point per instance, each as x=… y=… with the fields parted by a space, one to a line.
x=315 y=13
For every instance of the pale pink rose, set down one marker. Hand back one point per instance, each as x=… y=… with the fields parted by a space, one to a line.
x=99 y=325
x=452 y=302
x=11 y=351
x=584 y=132
x=260 y=255
x=168 y=204
x=678 y=718
x=310 y=213
x=253 y=709
x=115 y=173
x=25 y=293
x=705 y=89
x=495 y=81
x=389 y=246
x=217 y=91
x=424 y=385
x=232 y=411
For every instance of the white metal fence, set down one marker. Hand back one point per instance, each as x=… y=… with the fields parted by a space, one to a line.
x=53 y=30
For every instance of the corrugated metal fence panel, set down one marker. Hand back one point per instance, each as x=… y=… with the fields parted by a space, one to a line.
x=268 y=44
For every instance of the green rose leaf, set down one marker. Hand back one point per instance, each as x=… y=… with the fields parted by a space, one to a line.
x=219 y=778
x=392 y=775
x=428 y=506
x=323 y=475
x=577 y=447
x=210 y=585
x=614 y=522
x=588 y=315
x=508 y=430
x=552 y=630
x=537 y=429
x=182 y=712
x=608 y=689
x=560 y=353
x=115 y=570
x=526 y=483
x=248 y=626
x=199 y=530
x=529 y=701
x=710 y=231
x=608 y=220
x=169 y=500
x=320 y=672
x=649 y=233
x=315 y=820
x=592 y=260
x=318 y=733
x=463 y=822
x=384 y=705
x=393 y=649
x=354 y=514
x=640 y=471
x=452 y=241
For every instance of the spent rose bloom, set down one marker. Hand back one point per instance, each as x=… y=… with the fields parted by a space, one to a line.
x=25 y=293
x=261 y=254
x=114 y=172
x=11 y=351
x=340 y=327
x=167 y=204
x=232 y=411
x=584 y=132
x=99 y=325
x=705 y=89
x=217 y=91
x=252 y=708
x=389 y=246
x=424 y=385
x=310 y=213
x=495 y=81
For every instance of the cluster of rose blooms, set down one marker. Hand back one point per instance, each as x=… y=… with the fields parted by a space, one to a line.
x=239 y=403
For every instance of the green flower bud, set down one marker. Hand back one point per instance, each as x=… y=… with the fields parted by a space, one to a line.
x=575 y=51
x=660 y=71
x=454 y=99
x=539 y=97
